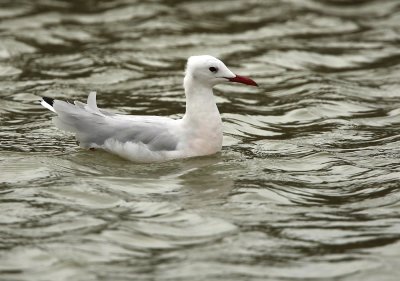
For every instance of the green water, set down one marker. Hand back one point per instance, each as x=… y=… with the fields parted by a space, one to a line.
x=305 y=188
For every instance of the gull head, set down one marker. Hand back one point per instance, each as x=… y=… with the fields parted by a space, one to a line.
x=211 y=71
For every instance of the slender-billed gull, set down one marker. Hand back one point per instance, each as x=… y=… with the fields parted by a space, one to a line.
x=154 y=138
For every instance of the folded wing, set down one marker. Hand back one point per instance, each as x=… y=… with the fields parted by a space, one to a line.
x=93 y=126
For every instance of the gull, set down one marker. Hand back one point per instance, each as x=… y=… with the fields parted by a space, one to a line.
x=147 y=139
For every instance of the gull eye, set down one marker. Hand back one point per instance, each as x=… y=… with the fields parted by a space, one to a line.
x=213 y=69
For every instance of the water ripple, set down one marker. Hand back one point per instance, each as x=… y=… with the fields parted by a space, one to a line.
x=306 y=186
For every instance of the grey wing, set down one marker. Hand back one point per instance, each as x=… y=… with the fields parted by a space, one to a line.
x=92 y=127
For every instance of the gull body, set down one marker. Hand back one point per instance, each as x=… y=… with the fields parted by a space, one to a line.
x=154 y=138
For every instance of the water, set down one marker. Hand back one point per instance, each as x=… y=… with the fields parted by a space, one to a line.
x=305 y=188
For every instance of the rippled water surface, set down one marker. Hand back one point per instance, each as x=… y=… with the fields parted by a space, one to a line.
x=305 y=188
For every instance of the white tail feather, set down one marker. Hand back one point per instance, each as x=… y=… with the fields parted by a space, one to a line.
x=91 y=104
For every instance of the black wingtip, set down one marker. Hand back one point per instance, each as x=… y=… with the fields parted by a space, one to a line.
x=48 y=100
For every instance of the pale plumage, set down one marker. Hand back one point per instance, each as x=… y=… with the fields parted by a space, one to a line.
x=154 y=138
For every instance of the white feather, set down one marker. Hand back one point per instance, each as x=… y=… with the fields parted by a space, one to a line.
x=46 y=105
x=91 y=104
x=138 y=152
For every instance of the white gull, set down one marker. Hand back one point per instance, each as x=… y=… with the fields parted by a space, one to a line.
x=154 y=138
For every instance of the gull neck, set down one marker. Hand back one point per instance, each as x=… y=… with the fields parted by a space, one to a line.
x=200 y=100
